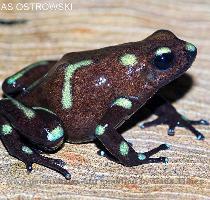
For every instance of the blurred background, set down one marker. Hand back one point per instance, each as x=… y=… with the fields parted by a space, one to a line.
x=29 y=33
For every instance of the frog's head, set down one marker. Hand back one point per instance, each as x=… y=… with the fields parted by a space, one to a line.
x=165 y=58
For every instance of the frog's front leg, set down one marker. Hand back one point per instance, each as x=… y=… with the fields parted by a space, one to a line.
x=39 y=127
x=115 y=143
x=20 y=81
x=168 y=115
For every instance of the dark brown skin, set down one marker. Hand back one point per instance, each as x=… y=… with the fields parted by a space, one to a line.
x=92 y=93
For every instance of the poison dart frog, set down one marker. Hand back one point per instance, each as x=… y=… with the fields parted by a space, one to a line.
x=85 y=96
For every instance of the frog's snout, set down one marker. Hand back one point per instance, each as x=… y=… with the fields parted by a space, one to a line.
x=191 y=51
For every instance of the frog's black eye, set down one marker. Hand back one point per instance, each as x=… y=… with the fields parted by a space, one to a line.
x=163 y=58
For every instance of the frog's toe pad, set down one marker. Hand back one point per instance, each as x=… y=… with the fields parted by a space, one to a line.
x=204 y=122
x=29 y=167
x=67 y=176
x=200 y=137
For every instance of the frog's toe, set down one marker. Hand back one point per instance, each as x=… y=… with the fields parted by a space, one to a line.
x=171 y=131
x=203 y=122
x=101 y=153
x=188 y=124
x=59 y=162
x=29 y=167
x=146 y=156
x=54 y=164
x=197 y=122
x=155 y=122
x=68 y=176
x=200 y=136
x=146 y=160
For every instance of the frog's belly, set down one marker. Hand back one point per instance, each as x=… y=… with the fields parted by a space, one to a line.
x=79 y=135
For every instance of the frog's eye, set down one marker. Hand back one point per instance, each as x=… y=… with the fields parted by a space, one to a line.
x=163 y=58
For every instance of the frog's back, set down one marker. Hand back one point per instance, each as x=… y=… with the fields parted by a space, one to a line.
x=78 y=89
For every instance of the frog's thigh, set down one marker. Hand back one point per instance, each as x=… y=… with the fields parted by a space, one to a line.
x=115 y=143
x=27 y=76
x=38 y=125
x=18 y=149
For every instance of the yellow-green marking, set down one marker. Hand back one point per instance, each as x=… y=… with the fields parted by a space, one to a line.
x=124 y=148
x=27 y=150
x=19 y=74
x=162 y=50
x=29 y=113
x=6 y=129
x=190 y=47
x=141 y=156
x=100 y=129
x=129 y=60
x=123 y=102
x=55 y=134
x=67 y=87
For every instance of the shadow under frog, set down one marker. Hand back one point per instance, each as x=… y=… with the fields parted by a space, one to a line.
x=172 y=92
x=86 y=96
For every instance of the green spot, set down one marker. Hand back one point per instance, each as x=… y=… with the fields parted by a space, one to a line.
x=123 y=102
x=141 y=156
x=162 y=50
x=29 y=113
x=190 y=47
x=129 y=60
x=124 y=148
x=100 y=129
x=184 y=118
x=168 y=145
x=27 y=150
x=18 y=75
x=55 y=134
x=166 y=161
x=67 y=88
x=45 y=109
x=6 y=129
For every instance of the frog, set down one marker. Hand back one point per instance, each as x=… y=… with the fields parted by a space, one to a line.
x=86 y=96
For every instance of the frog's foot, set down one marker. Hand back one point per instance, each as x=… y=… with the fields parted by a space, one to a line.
x=122 y=152
x=144 y=157
x=173 y=119
x=34 y=157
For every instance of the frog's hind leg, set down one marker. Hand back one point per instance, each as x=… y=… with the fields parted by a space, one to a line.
x=24 y=78
x=115 y=144
x=168 y=115
x=39 y=127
